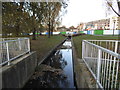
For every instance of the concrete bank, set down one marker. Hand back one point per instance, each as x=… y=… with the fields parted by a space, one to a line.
x=20 y=70
x=83 y=77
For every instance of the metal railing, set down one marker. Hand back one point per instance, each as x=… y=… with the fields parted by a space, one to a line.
x=112 y=45
x=12 y=48
x=6 y=39
x=103 y=62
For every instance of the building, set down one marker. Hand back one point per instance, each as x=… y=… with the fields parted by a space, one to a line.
x=115 y=23
x=103 y=24
x=62 y=29
x=81 y=27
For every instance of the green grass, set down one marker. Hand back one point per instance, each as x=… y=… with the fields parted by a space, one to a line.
x=43 y=44
x=78 y=41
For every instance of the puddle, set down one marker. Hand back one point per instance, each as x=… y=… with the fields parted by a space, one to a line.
x=55 y=72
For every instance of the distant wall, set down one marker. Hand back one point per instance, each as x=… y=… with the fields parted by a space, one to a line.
x=20 y=70
x=85 y=32
x=63 y=32
x=81 y=31
x=101 y=32
x=98 y=32
x=90 y=32
x=110 y=32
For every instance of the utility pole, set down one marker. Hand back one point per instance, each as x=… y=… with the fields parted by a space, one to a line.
x=113 y=27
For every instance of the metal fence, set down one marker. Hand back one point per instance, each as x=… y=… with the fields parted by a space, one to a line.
x=12 y=48
x=103 y=61
x=6 y=39
x=112 y=45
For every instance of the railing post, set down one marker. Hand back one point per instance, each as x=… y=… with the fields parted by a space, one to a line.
x=99 y=64
x=83 y=49
x=29 y=45
x=19 y=43
x=116 y=46
x=114 y=65
x=8 y=56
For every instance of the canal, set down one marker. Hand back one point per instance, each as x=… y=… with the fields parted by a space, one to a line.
x=56 y=71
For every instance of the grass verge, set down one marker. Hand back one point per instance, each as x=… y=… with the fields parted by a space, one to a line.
x=78 y=41
x=43 y=45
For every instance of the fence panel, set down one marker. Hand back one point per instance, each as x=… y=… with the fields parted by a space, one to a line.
x=98 y=32
x=10 y=49
x=103 y=63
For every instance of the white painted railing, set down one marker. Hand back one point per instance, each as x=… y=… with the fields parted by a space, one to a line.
x=12 y=48
x=103 y=61
x=112 y=45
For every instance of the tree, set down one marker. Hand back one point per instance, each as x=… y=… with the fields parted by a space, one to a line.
x=55 y=13
x=27 y=17
x=52 y=15
x=110 y=7
x=14 y=18
x=20 y=17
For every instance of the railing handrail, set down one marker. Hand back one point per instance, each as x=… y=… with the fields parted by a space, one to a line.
x=13 y=40
x=104 y=40
x=104 y=49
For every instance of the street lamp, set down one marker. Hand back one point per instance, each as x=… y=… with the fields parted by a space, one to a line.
x=113 y=27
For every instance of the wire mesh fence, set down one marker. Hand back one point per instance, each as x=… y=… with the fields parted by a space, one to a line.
x=103 y=62
x=11 y=48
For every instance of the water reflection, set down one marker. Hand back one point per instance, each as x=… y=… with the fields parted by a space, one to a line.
x=57 y=61
x=57 y=71
x=62 y=59
x=67 y=44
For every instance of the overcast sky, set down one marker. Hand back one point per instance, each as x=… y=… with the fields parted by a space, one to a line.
x=83 y=11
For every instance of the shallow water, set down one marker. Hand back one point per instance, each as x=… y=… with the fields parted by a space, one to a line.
x=61 y=60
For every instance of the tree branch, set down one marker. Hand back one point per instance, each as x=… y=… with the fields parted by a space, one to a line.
x=113 y=8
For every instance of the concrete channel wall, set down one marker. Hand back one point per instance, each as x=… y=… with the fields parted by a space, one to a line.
x=20 y=70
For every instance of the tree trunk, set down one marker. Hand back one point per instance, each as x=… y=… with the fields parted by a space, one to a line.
x=49 y=30
x=49 y=25
x=37 y=33
x=52 y=29
x=40 y=32
x=34 y=36
x=17 y=31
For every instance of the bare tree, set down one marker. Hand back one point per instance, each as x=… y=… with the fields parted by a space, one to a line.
x=110 y=6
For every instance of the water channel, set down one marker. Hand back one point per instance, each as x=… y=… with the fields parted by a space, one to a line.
x=56 y=71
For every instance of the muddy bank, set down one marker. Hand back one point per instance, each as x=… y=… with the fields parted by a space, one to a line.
x=45 y=76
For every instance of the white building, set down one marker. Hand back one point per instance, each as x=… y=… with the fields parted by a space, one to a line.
x=115 y=23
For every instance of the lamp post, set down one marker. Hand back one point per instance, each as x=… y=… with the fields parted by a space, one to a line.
x=113 y=27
